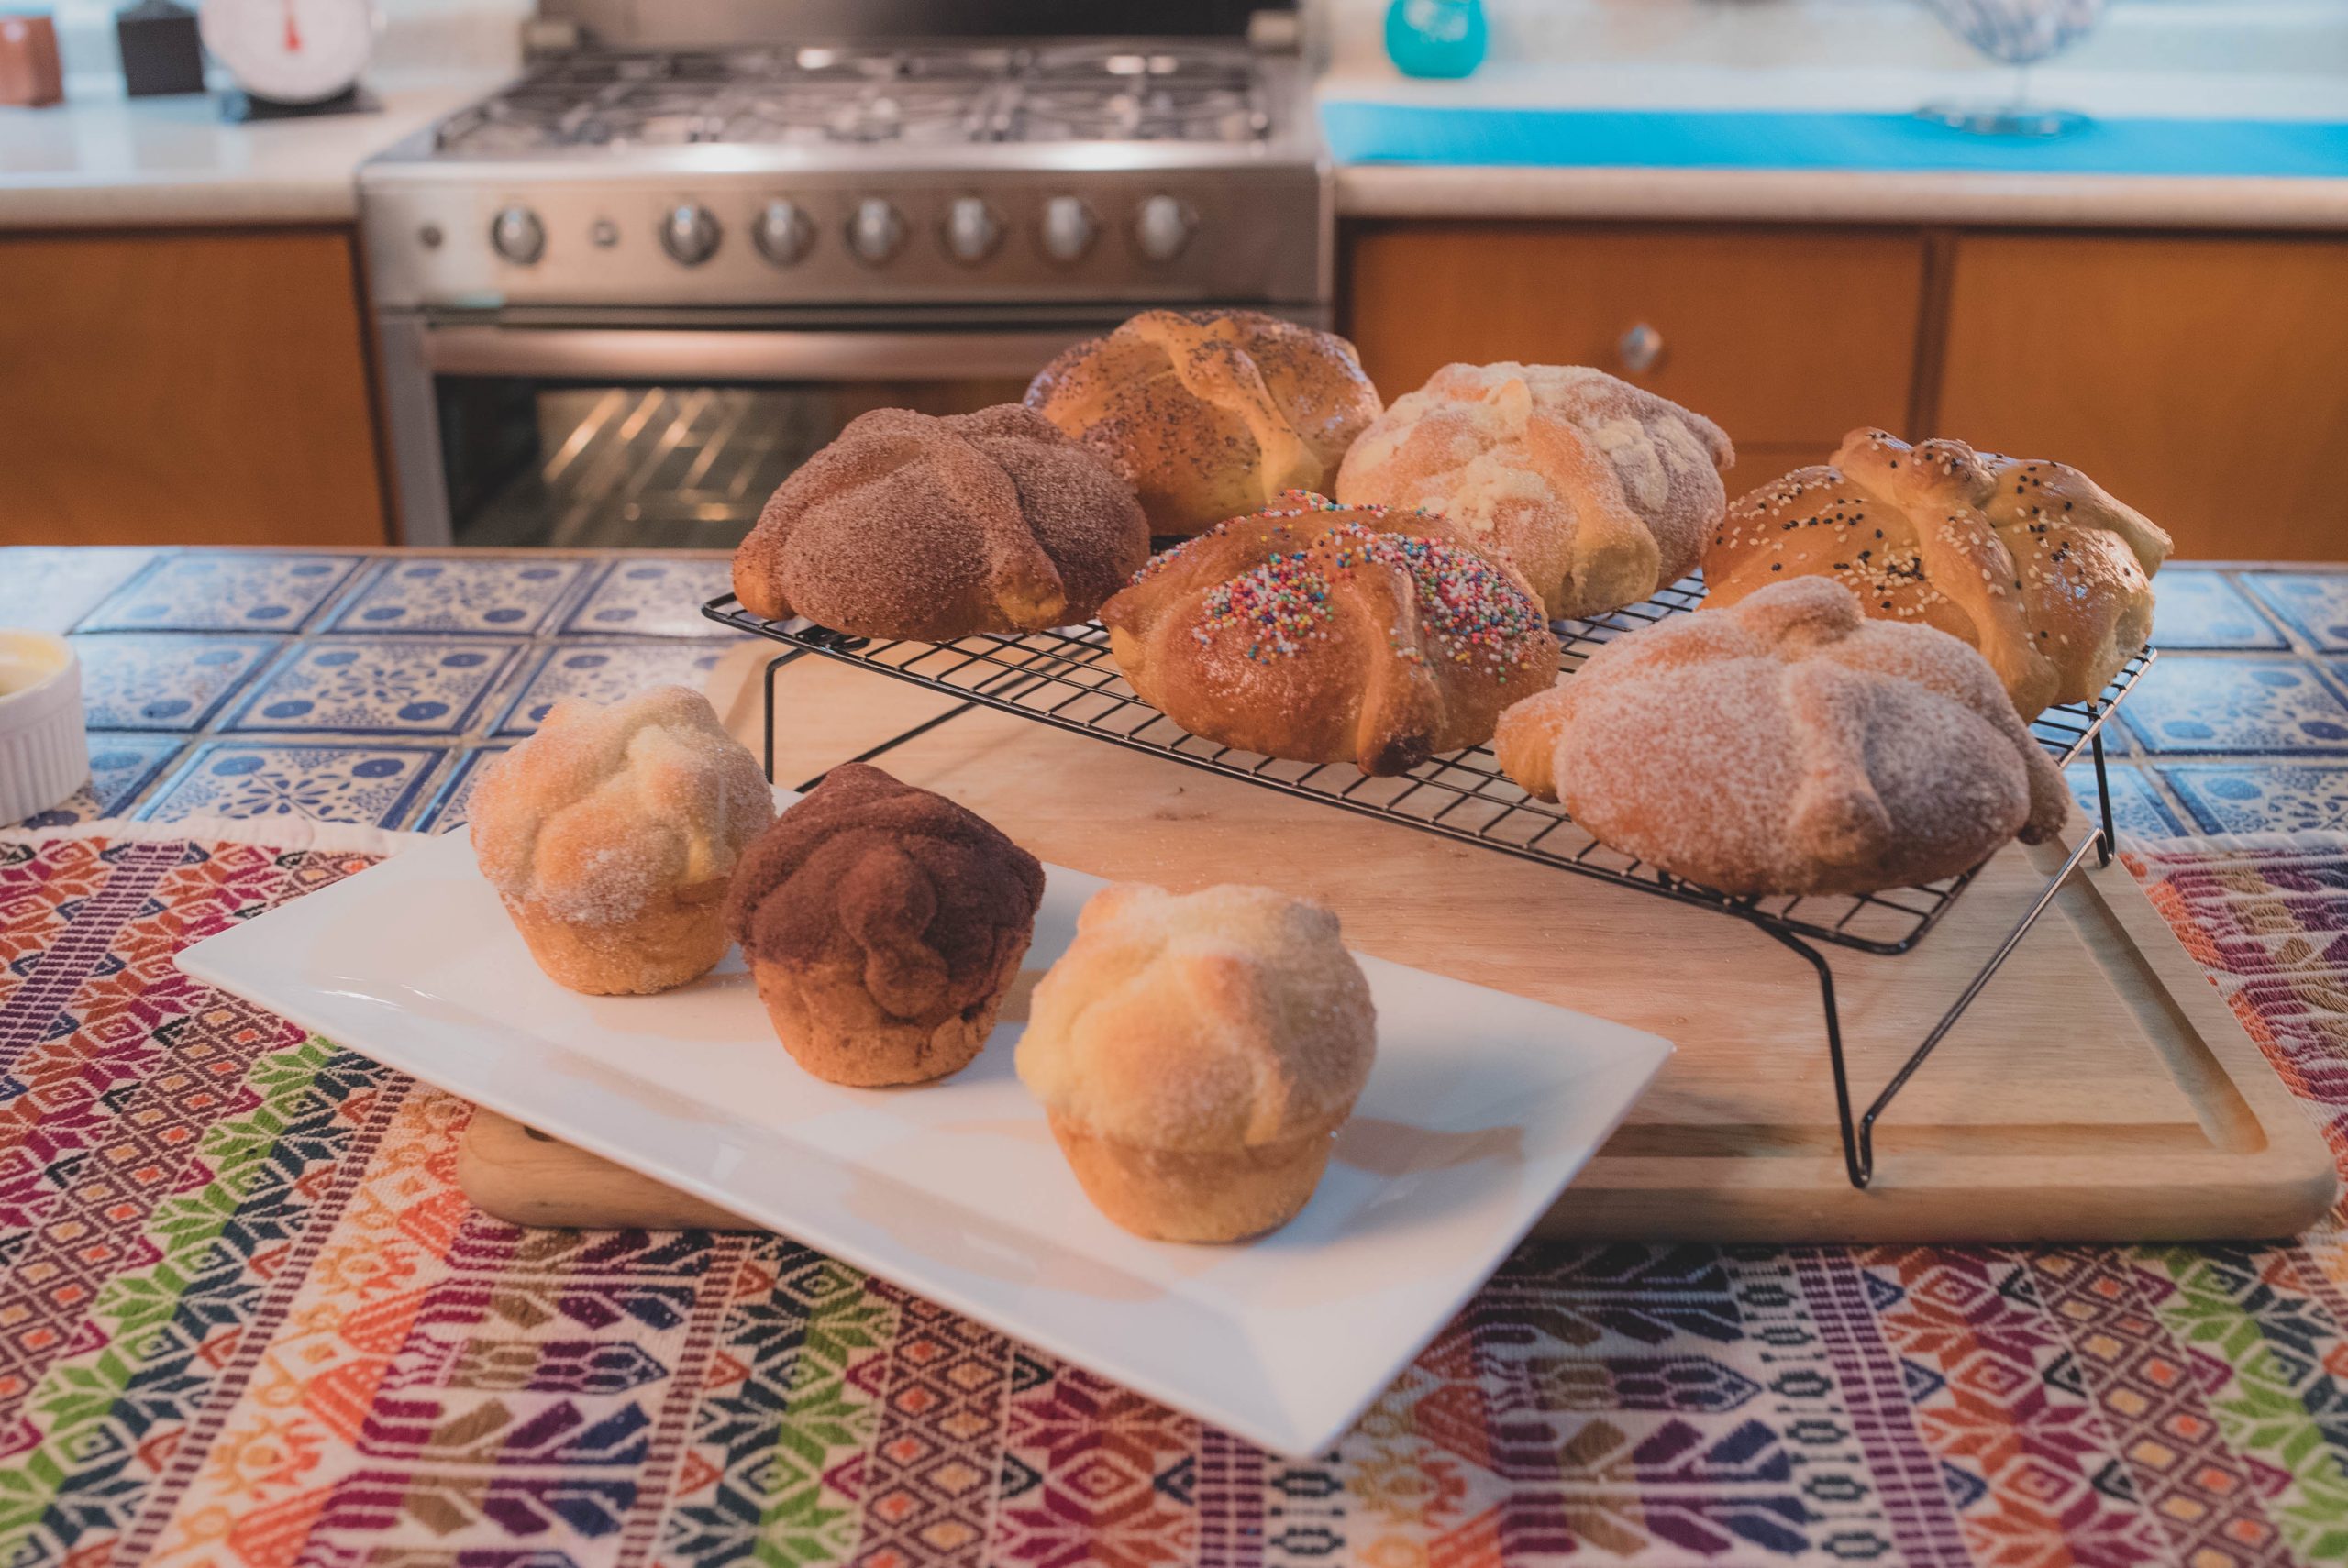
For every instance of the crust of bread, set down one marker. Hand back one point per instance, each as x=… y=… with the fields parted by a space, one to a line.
x=1190 y=1195
x=679 y=936
x=827 y=1019
x=2029 y=560
x=1211 y=414
x=1600 y=491
x=913 y=526
x=1377 y=685
x=1789 y=745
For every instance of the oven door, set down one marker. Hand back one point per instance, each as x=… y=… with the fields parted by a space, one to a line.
x=519 y=434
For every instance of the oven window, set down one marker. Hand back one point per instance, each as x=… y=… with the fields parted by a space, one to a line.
x=540 y=463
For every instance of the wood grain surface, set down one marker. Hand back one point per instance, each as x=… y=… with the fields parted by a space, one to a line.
x=2097 y=1089
x=185 y=387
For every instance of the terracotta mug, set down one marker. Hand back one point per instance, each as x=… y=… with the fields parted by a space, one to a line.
x=29 y=72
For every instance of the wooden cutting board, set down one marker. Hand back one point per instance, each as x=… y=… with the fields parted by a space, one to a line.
x=2098 y=1089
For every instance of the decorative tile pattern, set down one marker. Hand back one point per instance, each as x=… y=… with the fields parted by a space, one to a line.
x=2315 y=603
x=133 y=680
x=508 y=594
x=47 y=587
x=2188 y=703
x=647 y=597
x=2200 y=609
x=120 y=767
x=223 y=591
x=606 y=672
x=2261 y=797
x=2136 y=805
x=391 y=686
x=377 y=784
x=449 y=806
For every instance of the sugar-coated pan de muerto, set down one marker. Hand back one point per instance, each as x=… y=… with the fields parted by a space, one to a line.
x=883 y=925
x=911 y=527
x=1789 y=744
x=1599 y=491
x=1332 y=634
x=2028 y=560
x=1211 y=414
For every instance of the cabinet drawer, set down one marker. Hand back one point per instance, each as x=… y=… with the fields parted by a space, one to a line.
x=1785 y=337
x=2202 y=380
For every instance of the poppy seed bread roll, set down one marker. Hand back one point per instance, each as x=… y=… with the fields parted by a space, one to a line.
x=1211 y=414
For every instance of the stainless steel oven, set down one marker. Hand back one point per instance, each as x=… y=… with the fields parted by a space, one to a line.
x=617 y=302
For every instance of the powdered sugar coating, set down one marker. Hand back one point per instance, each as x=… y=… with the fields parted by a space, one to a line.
x=1218 y=1020
x=605 y=808
x=1789 y=745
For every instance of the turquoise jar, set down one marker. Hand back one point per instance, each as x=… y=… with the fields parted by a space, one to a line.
x=1436 y=37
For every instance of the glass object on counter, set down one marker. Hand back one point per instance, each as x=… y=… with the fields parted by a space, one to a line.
x=2018 y=33
x=1436 y=37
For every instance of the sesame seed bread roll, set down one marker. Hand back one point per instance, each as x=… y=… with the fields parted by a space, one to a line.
x=611 y=834
x=1195 y=1055
x=2028 y=560
x=1211 y=414
x=1790 y=745
x=1332 y=634
x=1599 y=491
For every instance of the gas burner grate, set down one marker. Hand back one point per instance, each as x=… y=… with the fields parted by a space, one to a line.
x=1067 y=680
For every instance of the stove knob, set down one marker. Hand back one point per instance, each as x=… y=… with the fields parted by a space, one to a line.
x=1162 y=227
x=783 y=233
x=876 y=233
x=518 y=235
x=1069 y=229
x=689 y=233
x=972 y=230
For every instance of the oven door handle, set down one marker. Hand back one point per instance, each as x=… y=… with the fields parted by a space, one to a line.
x=747 y=355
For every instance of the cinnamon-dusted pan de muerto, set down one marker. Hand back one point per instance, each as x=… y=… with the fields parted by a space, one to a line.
x=611 y=834
x=911 y=527
x=1789 y=744
x=1599 y=491
x=1332 y=634
x=2028 y=560
x=1196 y=1053
x=883 y=925
x=1211 y=414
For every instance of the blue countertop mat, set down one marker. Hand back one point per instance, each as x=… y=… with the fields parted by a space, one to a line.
x=1409 y=133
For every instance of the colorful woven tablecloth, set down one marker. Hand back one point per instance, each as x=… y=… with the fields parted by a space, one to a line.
x=247 y=1317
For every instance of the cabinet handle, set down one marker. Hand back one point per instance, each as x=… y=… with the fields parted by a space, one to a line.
x=1640 y=349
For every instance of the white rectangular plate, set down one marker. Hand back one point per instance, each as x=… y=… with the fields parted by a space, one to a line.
x=1481 y=1108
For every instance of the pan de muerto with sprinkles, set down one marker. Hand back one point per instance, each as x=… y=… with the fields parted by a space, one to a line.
x=911 y=527
x=1332 y=634
x=611 y=834
x=1211 y=414
x=2028 y=560
x=883 y=925
x=1599 y=491
x=1789 y=745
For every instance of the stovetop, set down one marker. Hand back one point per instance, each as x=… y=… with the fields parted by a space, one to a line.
x=924 y=96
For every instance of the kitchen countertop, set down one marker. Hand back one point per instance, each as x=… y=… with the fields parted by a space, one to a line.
x=110 y=161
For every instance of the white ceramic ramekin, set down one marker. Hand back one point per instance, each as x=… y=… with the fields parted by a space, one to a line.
x=44 y=751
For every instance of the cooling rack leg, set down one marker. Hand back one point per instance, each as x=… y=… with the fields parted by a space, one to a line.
x=1858 y=1161
x=2102 y=800
x=893 y=742
x=772 y=664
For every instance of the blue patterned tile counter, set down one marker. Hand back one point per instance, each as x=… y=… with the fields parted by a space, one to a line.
x=373 y=688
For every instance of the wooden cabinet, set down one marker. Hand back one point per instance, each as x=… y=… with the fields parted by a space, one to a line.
x=185 y=387
x=2202 y=380
x=1786 y=338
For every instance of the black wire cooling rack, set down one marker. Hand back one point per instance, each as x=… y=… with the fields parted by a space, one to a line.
x=1067 y=680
